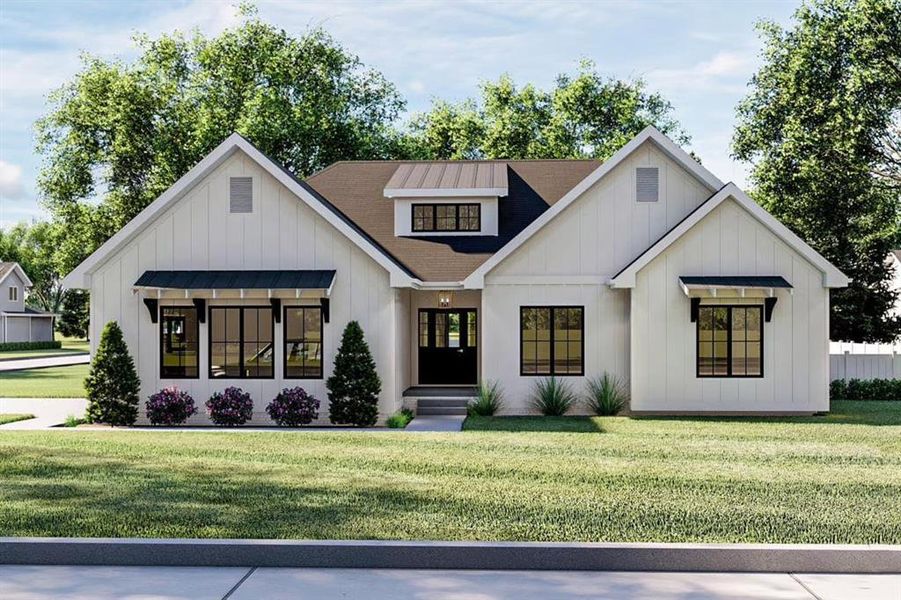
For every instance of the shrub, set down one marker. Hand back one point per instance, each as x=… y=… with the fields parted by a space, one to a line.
x=230 y=407
x=17 y=346
x=353 y=388
x=400 y=419
x=866 y=389
x=112 y=383
x=552 y=397
x=170 y=406
x=293 y=407
x=606 y=395
x=489 y=401
x=73 y=421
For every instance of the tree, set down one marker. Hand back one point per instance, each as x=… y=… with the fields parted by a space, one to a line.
x=35 y=248
x=112 y=384
x=353 y=388
x=822 y=128
x=75 y=315
x=123 y=133
x=583 y=116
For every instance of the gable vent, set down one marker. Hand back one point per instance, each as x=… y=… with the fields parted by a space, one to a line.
x=647 y=184
x=240 y=194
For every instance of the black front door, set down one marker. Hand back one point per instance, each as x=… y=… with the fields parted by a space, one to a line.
x=448 y=348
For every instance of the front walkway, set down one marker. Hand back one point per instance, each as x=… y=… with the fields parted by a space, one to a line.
x=48 y=411
x=241 y=583
x=22 y=364
x=436 y=423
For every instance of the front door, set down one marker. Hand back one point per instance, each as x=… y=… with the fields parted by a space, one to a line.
x=448 y=349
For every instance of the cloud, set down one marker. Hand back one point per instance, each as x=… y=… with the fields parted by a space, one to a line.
x=724 y=72
x=11 y=186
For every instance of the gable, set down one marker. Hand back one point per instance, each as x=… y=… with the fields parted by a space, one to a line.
x=80 y=276
x=607 y=225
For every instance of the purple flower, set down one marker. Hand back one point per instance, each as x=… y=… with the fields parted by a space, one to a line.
x=170 y=406
x=293 y=407
x=230 y=407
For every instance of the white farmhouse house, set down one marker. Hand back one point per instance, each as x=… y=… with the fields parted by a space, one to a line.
x=20 y=323
x=645 y=266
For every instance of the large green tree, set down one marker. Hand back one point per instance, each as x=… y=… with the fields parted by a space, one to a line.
x=585 y=115
x=822 y=128
x=119 y=134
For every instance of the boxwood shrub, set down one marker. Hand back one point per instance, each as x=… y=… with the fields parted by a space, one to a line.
x=293 y=407
x=866 y=389
x=170 y=406
x=233 y=406
x=18 y=346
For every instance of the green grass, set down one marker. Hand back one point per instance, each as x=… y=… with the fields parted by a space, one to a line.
x=70 y=346
x=52 y=382
x=834 y=479
x=12 y=418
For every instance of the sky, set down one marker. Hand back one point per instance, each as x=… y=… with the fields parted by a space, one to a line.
x=699 y=54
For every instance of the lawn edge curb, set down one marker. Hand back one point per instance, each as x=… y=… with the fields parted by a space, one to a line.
x=743 y=558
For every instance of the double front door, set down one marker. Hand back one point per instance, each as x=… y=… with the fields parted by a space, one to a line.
x=448 y=346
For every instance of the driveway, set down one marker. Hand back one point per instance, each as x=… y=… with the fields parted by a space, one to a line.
x=216 y=583
x=47 y=361
x=48 y=411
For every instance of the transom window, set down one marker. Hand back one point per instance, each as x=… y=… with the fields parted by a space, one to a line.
x=179 y=337
x=241 y=344
x=552 y=340
x=447 y=217
x=303 y=342
x=730 y=341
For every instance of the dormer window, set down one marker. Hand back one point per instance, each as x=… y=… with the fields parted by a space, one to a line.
x=13 y=294
x=446 y=217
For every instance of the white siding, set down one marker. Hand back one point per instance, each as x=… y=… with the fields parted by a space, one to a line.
x=568 y=263
x=12 y=281
x=282 y=232
x=729 y=241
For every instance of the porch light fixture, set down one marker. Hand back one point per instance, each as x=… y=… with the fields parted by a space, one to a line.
x=444 y=299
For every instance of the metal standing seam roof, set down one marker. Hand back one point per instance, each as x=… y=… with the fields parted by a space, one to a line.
x=738 y=281
x=251 y=279
x=448 y=178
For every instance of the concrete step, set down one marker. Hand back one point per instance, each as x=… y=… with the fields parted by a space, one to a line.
x=441 y=410
x=442 y=402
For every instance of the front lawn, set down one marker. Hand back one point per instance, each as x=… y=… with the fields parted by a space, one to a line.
x=834 y=479
x=12 y=418
x=52 y=382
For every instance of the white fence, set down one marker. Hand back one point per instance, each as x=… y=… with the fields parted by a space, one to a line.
x=864 y=361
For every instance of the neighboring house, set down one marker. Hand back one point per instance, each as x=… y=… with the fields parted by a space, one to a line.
x=645 y=266
x=19 y=323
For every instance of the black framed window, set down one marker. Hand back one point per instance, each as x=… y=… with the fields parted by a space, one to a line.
x=179 y=342
x=423 y=329
x=303 y=342
x=241 y=342
x=552 y=340
x=447 y=217
x=730 y=341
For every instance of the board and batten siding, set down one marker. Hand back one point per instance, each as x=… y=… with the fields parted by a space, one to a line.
x=282 y=232
x=570 y=260
x=729 y=241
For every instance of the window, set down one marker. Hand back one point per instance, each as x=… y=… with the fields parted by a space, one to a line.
x=241 y=342
x=552 y=340
x=647 y=184
x=423 y=329
x=447 y=217
x=13 y=294
x=303 y=342
x=179 y=342
x=240 y=198
x=730 y=341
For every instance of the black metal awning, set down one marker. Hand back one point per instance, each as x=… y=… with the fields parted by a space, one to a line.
x=234 y=280
x=735 y=281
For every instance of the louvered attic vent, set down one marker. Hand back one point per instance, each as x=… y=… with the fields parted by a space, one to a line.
x=647 y=184
x=240 y=195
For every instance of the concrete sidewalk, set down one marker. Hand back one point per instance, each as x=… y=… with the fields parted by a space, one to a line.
x=237 y=583
x=24 y=364
x=48 y=411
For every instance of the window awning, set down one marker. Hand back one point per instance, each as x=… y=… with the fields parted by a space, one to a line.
x=712 y=284
x=237 y=280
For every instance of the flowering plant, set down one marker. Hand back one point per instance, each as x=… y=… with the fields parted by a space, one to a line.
x=293 y=407
x=170 y=406
x=230 y=407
